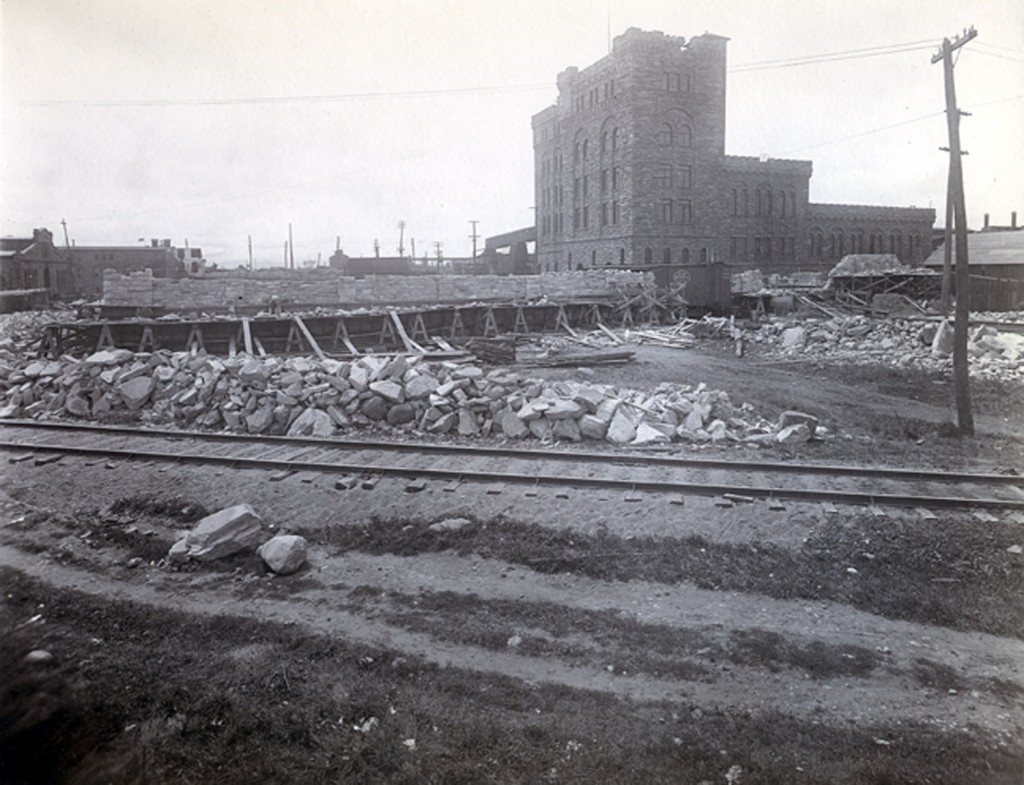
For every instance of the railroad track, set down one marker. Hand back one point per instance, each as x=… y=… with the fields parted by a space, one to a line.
x=456 y=463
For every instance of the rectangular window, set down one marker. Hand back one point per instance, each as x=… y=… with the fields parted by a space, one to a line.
x=576 y=218
x=576 y=189
x=672 y=82
x=686 y=212
x=586 y=217
x=666 y=212
x=604 y=213
x=686 y=177
x=615 y=212
x=663 y=177
x=604 y=180
x=615 y=178
x=586 y=184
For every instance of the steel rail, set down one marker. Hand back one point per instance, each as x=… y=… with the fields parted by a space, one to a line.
x=577 y=456
x=533 y=478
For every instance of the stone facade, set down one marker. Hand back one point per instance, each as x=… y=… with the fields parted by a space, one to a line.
x=322 y=287
x=630 y=169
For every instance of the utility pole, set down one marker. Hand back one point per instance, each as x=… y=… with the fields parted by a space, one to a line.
x=473 y=238
x=376 y=248
x=67 y=243
x=291 y=247
x=250 y=251
x=961 y=375
x=437 y=250
x=412 y=242
x=401 y=239
x=947 y=248
x=286 y=254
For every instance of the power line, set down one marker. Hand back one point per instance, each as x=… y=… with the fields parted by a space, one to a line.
x=997 y=46
x=848 y=54
x=897 y=125
x=1000 y=56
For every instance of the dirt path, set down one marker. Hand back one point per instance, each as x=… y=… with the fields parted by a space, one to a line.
x=323 y=604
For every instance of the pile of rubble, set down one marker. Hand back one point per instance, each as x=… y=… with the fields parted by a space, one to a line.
x=304 y=396
x=905 y=343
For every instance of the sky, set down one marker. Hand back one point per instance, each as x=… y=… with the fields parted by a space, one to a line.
x=209 y=121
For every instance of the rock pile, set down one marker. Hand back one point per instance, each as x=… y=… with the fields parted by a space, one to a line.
x=905 y=343
x=300 y=396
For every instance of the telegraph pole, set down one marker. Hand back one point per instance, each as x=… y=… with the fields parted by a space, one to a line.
x=961 y=375
x=291 y=247
x=67 y=243
x=401 y=239
x=474 y=237
x=250 y=251
x=437 y=250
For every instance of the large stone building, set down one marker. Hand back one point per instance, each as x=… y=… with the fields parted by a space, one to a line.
x=630 y=169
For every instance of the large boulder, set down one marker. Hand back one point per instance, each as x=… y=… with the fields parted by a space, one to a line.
x=285 y=553
x=792 y=417
x=942 y=343
x=224 y=533
x=622 y=429
x=312 y=422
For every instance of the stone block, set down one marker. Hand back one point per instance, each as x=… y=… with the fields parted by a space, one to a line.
x=592 y=427
x=285 y=553
x=566 y=430
x=389 y=391
x=791 y=417
x=622 y=428
x=512 y=426
x=224 y=533
x=374 y=407
x=401 y=413
x=312 y=422
x=135 y=392
x=648 y=434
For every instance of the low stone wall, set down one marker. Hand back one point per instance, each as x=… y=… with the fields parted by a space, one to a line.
x=323 y=287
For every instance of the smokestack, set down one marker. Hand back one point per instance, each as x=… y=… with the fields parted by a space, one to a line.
x=986 y=221
x=1013 y=219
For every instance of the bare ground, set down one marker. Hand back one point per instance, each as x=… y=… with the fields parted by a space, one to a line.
x=579 y=639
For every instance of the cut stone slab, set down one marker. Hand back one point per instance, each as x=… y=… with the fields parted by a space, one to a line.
x=563 y=409
x=468 y=425
x=285 y=553
x=512 y=426
x=136 y=392
x=792 y=417
x=794 y=434
x=401 y=413
x=420 y=386
x=592 y=427
x=647 y=434
x=223 y=533
x=109 y=357
x=942 y=343
x=607 y=408
x=389 y=391
x=312 y=422
x=622 y=429
x=566 y=430
x=794 y=337
x=540 y=428
x=532 y=410
x=468 y=372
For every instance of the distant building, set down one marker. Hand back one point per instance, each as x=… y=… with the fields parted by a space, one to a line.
x=165 y=260
x=36 y=263
x=630 y=169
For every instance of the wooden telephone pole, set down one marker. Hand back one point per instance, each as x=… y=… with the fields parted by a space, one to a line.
x=961 y=376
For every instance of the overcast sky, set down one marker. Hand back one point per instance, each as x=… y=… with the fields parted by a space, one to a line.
x=211 y=120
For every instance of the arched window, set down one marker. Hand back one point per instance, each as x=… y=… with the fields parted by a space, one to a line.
x=686 y=256
x=604 y=142
x=782 y=203
x=622 y=256
x=666 y=256
x=704 y=254
x=576 y=153
x=896 y=244
x=593 y=258
x=615 y=138
x=648 y=256
x=585 y=145
x=665 y=135
x=685 y=136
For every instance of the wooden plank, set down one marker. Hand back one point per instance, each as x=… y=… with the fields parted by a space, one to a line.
x=232 y=345
x=610 y=334
x=409 y=343
x=247 y=334
x=259 y=346
x=309 y=337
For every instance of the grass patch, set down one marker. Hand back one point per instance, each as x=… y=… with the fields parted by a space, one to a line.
x=954 y=574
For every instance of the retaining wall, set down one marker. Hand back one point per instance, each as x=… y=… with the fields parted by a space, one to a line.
x=143 y=290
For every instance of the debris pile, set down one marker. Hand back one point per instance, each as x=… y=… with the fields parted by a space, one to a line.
x=904 y=343
x=301 y=396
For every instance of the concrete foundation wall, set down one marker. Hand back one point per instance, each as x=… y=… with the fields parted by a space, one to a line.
x=143 y=290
